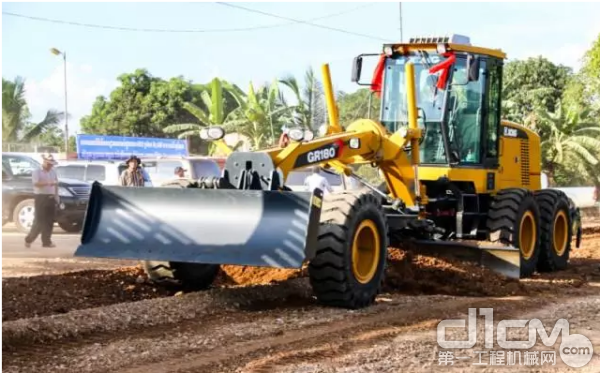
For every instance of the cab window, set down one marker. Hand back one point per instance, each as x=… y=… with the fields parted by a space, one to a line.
x=465 y=114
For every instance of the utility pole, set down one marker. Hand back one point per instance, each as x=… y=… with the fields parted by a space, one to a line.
x=400 y=11
x=64 y=55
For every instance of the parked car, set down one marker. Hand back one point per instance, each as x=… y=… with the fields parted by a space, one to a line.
x=18 y=197
x=105 y=172
x=162 y=170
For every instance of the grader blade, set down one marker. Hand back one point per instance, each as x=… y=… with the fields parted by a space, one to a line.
x=505 y=260
x=214 y=226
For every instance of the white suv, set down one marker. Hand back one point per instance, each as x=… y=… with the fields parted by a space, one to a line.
x=162 y=170
x=105 y=172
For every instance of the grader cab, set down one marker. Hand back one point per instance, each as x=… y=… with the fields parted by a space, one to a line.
x=458 y=179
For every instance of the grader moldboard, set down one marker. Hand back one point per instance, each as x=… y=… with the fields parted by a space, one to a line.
x=458 y=179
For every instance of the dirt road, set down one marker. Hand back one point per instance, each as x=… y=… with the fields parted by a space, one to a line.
x=278 y=327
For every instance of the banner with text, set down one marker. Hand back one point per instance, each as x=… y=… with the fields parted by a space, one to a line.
x=119 y=147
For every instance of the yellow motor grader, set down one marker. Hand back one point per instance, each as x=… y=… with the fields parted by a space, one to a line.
x=458 y=179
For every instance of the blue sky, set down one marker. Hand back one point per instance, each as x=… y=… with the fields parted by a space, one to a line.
x=560 y=31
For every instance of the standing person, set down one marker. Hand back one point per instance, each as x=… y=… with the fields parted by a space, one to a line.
x=147 y=181
x=132 y=176
x=180 y=172
x=316 y=180
x=45 y=189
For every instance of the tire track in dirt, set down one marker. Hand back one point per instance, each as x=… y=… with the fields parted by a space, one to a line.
x=322 y=341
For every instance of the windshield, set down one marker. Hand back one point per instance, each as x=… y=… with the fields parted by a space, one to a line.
x=429 y=98
x=19 y=165
x=430 y=102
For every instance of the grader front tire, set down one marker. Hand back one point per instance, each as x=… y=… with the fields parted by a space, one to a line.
x=514 y=219
x=348 y=268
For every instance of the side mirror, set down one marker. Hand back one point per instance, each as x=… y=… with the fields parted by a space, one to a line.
x=356 y=69
x=473 y=68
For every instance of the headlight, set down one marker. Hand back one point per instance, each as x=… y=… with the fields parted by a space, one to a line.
x=323 y=130
x=296 y=134
x=308 y=135
x=212 y=133
x=64 y=192
x=216 y=133
x=204 y=134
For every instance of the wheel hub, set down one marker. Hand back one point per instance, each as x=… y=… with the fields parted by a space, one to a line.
x=527 y=235
x=559 y=240
x=365 y=251
x=26 y=216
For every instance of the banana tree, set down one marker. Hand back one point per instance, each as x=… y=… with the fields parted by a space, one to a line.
x=262 y=113
x=570 y=141
x=213 y=116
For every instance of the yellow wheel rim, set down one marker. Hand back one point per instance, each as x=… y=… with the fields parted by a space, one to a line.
x=365 y=251
x=561 y=232
x=527 y=235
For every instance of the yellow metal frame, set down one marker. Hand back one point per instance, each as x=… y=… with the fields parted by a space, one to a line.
x=406 y=48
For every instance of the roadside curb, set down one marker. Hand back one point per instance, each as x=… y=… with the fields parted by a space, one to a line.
x=146 y=313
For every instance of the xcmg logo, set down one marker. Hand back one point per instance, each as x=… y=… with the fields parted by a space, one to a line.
x=576 y=350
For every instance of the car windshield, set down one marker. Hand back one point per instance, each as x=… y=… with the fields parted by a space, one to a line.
x=205 y=168
x=20 y=165
x=71 y=171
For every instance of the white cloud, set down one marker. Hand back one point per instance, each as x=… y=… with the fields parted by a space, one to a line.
x=82 y=90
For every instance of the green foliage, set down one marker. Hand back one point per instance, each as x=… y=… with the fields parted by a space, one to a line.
x=141 y=106
x=590 y=73
x=370 y=174
x=532 y=83
x=570 y=141
x=260 y=115
x=310 y=111
x=353 y=106
x=16 y=127
x=211 y=112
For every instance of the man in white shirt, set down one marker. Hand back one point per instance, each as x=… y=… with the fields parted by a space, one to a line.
x=316 y=180
x=45 y=189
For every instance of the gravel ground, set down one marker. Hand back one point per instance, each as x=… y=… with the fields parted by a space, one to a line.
x=279 y=327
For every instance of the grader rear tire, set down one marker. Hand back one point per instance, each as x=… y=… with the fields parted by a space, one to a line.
x=348 y=268
x=557 y=230
x=514 y=219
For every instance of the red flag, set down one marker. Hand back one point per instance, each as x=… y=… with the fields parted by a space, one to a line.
x=376 y=83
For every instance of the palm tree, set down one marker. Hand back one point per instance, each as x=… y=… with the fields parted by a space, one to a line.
x=569 y=140
x=310 y=107
x=15 y=114
x=213 y=116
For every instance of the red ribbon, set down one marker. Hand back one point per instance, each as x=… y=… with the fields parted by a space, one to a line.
x=376 y=82
x=444 y=66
